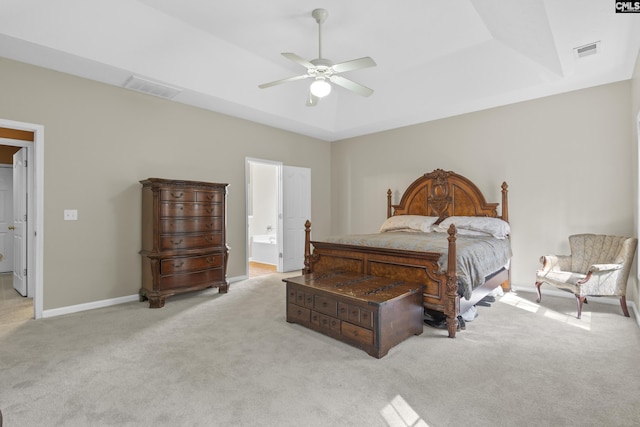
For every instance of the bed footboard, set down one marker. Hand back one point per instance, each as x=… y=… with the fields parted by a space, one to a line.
x=441 y=289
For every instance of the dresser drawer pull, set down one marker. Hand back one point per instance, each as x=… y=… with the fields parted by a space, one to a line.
x=209 y=226
x=210 y=196
x=209 y=210
x=210 y=259
x=178 y=265
x=208 y=239
x=176 y=243
x=178 y=196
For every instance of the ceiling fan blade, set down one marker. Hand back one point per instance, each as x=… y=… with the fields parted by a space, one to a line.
x=288 y=79
x=354 y=64
x=351 y=85
x=298 y=60
x=312 y=101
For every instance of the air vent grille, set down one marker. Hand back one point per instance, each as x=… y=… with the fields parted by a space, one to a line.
x=587 y=50
x=150 y=87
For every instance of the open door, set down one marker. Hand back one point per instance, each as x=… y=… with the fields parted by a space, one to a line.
x=20 y=221
x=6 y=219
x=296 y=210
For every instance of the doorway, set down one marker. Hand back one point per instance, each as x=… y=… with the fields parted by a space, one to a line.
x=13 y=135
x=278 y=202
x=263 y=222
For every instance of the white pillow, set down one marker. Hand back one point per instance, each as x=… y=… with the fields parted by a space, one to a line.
x=494 y=226
x=408 y=223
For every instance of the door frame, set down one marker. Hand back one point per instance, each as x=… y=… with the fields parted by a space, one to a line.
x=35 y=207
x=247 y=182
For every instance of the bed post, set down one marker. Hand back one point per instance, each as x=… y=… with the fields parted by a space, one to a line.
x=452 y=303
x=307 y=248
x=505 y=203
x=389 y=193
x=506 y=285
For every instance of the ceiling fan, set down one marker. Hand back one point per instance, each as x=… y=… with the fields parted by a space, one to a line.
x=323 y=70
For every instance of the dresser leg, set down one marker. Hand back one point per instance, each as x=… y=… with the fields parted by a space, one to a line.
x=223 y=289
x=156 y=302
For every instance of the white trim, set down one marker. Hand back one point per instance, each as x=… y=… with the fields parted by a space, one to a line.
x=106 y=303
x=35 y=208
x=247 y=194
x=238 y=279
x=89 y=306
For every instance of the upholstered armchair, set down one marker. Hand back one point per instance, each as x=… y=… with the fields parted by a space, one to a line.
x=599 y=265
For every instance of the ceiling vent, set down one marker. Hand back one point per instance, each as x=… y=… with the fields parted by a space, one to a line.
x=152 y=88
x=587 y=50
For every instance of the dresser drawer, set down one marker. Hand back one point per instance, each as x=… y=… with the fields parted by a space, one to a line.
x=357 y=315
x=325 y=305
x=209 y=196
x=177 y=195
x=168 y=209
x=325 y=322
x=361 y=316
x=295 y=313
x=190 y=241
x=186 y=264
x=194 y=225
x=356 y=333
x=191 y=280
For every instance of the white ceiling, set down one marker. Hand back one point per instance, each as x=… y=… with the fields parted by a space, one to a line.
x=434 y=58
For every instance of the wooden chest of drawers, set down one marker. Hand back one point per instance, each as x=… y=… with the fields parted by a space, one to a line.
x=368 y=312
x=183 y=238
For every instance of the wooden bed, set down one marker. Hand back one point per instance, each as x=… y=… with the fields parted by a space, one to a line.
x=439 y=193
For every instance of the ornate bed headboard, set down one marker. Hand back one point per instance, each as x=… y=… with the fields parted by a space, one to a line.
x=445 y=193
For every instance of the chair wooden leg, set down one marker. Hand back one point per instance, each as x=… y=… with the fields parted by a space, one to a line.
x=623 y=303
x=580 y=300
x=538 y=284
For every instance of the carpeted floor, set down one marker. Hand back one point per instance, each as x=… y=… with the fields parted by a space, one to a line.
x=209 y=359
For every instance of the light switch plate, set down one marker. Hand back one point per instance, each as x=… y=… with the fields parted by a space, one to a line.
x=70 y=214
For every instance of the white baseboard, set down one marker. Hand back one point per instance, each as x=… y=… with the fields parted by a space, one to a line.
x=569 y=295
x=88 y=306
x=105 y=303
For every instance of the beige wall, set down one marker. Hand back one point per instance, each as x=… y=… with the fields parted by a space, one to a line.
x=567 y=160
x=101 y=140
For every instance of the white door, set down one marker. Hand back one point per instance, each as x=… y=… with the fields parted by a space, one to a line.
x=296 y=210
x=6 y=219
x=20 y=221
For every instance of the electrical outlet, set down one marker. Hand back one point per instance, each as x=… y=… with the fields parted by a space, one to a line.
x=70 y=214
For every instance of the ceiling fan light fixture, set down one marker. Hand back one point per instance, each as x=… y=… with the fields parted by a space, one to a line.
x=320 y=87
x=324 y=71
